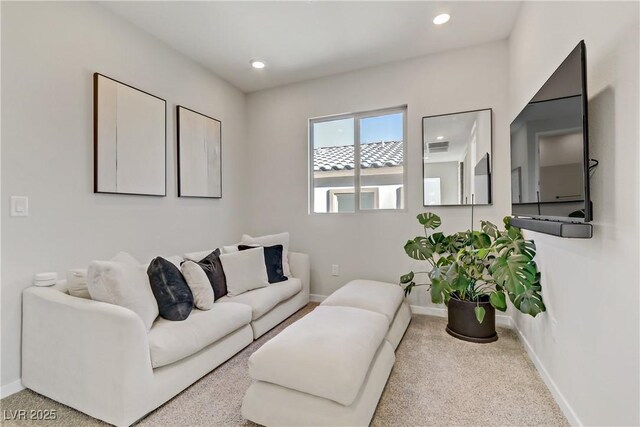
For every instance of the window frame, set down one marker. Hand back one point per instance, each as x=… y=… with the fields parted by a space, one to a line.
x=403 y=109
x=336 y=191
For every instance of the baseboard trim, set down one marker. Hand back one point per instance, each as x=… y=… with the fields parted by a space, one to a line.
x=317 y=298
x=566 y=409
x=501 y=319
x=11 y=388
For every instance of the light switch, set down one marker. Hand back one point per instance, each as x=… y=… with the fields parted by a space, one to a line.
x=19 y=206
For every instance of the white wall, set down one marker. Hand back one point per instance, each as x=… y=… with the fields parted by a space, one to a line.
x=369 y=245
x=587 y=342
x=49 y=53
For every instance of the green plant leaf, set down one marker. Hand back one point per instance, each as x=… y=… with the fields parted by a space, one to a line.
x=460 y=282
x=528 y=302
x=409 y=288
x=482 y=253
x=436 y=238
x=514 y=272
x=406 y=278
x=480 y=312
x=455 y=242
x=513 y=242
x=520 y=278
x=429 y=220
x=498 y=300
x=419 y=248
x=507 y=222
x=481 y=240
x=439 y=242
x=489 y=228
x=442 y=261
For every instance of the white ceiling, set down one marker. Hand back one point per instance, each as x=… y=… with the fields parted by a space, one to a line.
x=309 y=39
x=455 y=128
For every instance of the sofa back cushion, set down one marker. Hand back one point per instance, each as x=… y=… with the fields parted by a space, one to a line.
x=122 y=281
x=270 y=240
x=175 y=300
x=244 y=270
x=272 y=260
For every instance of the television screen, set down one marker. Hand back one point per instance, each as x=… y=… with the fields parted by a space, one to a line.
x=549 y=148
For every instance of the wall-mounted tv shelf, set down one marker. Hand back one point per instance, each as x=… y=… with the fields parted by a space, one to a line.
x=555 y=228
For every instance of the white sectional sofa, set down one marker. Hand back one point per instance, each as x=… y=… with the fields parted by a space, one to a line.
x=99 y=359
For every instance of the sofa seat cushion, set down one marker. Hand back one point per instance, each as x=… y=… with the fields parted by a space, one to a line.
x=381 y=297
x=264 y=299
x=171 y=341
x=327 y=353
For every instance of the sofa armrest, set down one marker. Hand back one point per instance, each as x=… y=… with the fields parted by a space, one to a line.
x=300 y=266
x=84 y=353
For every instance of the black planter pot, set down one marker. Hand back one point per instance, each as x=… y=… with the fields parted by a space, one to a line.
x=464 y=325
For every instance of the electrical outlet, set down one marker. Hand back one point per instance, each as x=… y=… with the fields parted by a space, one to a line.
x=19 y=206
x=335 y=271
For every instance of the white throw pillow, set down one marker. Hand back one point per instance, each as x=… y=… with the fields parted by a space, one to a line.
x=199 y=284
x=270 y=240
x=77 y=283
x=123 y=281
x=244 y=271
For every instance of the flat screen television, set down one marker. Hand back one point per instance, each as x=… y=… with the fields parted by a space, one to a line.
x=550 y=148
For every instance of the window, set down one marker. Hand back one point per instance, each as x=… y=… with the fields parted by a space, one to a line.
x=343 y=200
x=376 y=182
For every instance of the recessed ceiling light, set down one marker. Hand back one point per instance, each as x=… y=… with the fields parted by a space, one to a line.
x=441 y=19
x=255 y=63
x=440 y=137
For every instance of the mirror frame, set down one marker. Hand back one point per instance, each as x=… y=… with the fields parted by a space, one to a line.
x=490 y=110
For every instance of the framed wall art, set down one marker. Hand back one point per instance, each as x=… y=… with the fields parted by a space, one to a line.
x=129 y=127
x=199 y=154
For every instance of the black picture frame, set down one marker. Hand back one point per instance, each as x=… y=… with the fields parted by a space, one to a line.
x=490 y=156
x=182 y=192
x=96 y=140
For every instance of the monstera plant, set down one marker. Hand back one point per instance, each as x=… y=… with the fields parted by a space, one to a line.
x=480 y=267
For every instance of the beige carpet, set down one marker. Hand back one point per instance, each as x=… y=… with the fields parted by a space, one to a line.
x=437 y=380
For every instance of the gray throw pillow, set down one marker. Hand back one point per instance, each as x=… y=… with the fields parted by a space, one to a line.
x=213 y=269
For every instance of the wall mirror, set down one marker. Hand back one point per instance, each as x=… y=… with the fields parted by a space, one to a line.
x=129 y=139
x=456 y=158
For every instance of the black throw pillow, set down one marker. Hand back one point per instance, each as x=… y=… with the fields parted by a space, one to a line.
x=272 y=260
x=175 y=300
x=212 y=267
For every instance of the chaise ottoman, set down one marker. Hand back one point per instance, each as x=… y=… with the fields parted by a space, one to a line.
x=328 y=368
x=380 y=297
